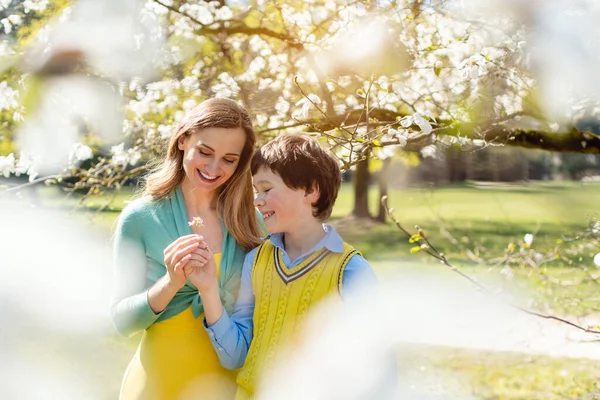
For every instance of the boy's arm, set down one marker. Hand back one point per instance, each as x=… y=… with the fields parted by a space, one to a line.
x=358 y=274
x=231 y=336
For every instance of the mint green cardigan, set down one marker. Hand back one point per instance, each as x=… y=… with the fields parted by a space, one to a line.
x=144 y=229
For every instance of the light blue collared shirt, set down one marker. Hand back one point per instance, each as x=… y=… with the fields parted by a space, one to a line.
x=231 y=336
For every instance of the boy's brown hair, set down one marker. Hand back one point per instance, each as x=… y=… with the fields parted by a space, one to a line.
x=301 y=163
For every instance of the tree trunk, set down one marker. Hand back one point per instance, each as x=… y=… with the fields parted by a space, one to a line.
x=361 y=190
x=383 y=187
x=495 y=164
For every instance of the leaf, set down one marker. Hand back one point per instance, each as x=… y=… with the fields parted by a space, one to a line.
x=253 y=19
x=415 y=249
x=376 y=143
x=414 y=238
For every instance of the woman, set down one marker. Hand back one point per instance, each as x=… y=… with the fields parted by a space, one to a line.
x=200 y=197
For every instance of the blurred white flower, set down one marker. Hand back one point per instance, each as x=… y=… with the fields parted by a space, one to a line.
x=164 y=131
x=507 y=271
x=418 y=119
x=227 y=86
x=429 y=151
x=119 y=154
x=473 y=67
x=189 y=104
x=597 y=259
x=80 y=152
x=119 y=38
x=282 y=105
x=69 y=107
x=223 y=13
x=596 y=227
x=7 y=165
x=395 y=134
x=528 y=239
x=8 y=96
x=124 y=157
x=305 y=105
x=37 y=5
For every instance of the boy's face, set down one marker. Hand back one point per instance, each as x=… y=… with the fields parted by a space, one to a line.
x=282 y=208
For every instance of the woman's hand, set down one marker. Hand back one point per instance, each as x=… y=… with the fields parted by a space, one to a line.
x=201 y=269
x=177 y=255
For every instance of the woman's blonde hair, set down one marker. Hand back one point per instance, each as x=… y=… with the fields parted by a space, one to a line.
x=235 y=200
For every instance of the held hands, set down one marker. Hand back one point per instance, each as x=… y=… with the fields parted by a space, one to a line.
x=201 y=269
x=177 y=255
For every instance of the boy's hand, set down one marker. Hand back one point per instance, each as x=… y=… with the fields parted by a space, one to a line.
x=176 y=255
x=201 y=269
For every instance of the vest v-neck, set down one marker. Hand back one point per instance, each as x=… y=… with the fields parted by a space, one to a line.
x=288 y=275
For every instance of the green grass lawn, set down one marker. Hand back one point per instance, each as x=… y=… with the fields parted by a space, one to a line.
x=493 y=216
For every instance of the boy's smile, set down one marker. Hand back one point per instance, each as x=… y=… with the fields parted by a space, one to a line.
x=283 y=208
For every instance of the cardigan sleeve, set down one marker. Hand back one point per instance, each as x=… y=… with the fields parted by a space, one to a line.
x=130 y=310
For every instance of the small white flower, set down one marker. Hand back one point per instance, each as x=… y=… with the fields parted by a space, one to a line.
x=429 y=151
x=164 y=131
x=119 y=154
x=223 y=13
x=528 y=238
x=7 y=165
x=396 y=134
x=596 y=227
x=196 y=221
x=306 y=104
x=597 y=259
x=473 y=67
x=80 y=152
x=189 y=104
x=417 y=118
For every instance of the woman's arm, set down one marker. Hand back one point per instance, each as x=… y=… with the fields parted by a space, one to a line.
x=130 y=309
x=135 y=306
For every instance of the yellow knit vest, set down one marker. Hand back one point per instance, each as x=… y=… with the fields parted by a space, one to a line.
x=283 y=296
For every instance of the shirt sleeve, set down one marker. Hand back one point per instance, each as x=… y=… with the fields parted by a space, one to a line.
x=358 y=275
x=231 y=335
x=130 y=310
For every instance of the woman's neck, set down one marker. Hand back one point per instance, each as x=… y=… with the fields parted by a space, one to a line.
x=198 y=201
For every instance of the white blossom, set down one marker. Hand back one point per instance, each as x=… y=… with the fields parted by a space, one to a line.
x=417 y=118
x=305 y=104
x=164 y=131
x=597 y=259
x=596 y=227
x=8 y=96
x=429 y=151
x=37 y=5
x=80 y=152
x=124 y=157
x=473 y=67
x=7 y=165
x=528 y=239
x=223 y=13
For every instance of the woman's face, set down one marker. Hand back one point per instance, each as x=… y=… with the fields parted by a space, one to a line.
x=211 y=156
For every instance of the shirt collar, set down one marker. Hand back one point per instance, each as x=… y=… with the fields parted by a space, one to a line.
x=332 y=240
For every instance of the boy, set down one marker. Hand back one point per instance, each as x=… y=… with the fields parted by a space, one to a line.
x=302 y=261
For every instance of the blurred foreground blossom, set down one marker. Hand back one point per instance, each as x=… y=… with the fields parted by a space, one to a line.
x=349 y=351
x=118 y=41
x=54 y=305
x=80 y=152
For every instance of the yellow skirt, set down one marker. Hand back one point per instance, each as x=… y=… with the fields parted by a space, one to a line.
x=176 y=360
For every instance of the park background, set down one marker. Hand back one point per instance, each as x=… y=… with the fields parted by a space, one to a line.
x=479 y=123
